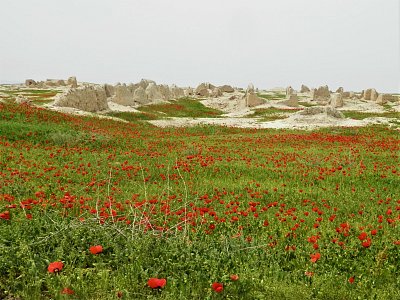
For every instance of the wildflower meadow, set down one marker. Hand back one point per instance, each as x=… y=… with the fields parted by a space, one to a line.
x=97 y=208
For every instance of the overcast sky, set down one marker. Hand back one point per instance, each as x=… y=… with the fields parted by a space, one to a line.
x=349 y=43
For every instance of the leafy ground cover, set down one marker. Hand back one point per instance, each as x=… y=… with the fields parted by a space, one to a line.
x=359 y=115
x=272 y=113
x=99 y=209
x=184 y=107
x=272 y=96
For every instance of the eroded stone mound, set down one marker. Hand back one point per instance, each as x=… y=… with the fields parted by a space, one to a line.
x=87 y=98
x=188 y=92
x=30 y=82
x=369 y=94
x=292 y=100
x=140 y=96
x=71 y=82
x=176 y=92
x=204 y=89
x=153 y=93
x=226 y=89
x=289 y=91
x=251 y=99
x=315 y=110
x=122 y=94
x=216 y=92
x=340 y=90
x=336 y=100
x=304 y=89
x=321 y=94
x=384 y=98
x=144 y=92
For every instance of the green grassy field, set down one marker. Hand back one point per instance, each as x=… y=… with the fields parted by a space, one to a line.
x=184 y=107
x=294 y=214
x=272 y=96
x=358 y=115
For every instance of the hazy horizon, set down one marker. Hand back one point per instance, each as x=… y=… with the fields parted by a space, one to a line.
x=348 y=43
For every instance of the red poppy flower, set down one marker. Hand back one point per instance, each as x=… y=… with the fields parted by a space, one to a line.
x=5 y=215
x=234 y=277
x=366 y=243
x=67 y=291
x=217 y=287
x=55 y=267
x=96 y=249
x=315 y=257
x=363 y=236
x=156 y=283
x=351 y=280
x=313 y=239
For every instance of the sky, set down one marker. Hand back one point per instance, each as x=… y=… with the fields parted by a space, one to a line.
x=348 y=43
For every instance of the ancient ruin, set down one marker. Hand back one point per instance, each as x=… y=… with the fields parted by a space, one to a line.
x=87 y=98
x=310 y=108
x=336 y=100
x=304 y=89
x=71 y=82
x=251 y=98
x=291 y=100
x=321 y=94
